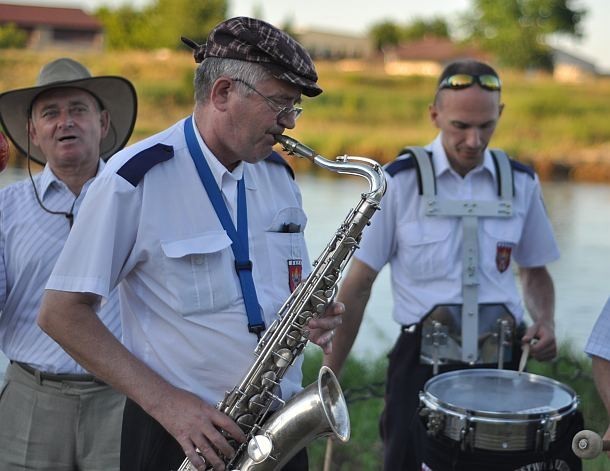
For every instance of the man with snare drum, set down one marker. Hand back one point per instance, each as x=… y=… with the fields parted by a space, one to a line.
x=453 y=218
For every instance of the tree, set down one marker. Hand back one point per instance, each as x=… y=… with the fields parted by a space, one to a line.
x=388 y=33
x=12 y=37
x=515 y=31
x=420 y=28
x=161 y=24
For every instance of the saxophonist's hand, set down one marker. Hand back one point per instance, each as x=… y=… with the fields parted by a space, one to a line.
x=196 y=426
x=322 y=329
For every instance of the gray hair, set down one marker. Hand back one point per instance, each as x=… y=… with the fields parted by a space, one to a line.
x=214 y=67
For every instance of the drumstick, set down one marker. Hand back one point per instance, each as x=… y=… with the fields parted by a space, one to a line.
x=587 y=444
x=525 y=353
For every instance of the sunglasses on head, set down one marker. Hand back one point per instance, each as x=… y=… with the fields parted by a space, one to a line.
x=459 y=81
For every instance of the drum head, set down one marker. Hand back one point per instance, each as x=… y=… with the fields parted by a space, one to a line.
x=492 y=393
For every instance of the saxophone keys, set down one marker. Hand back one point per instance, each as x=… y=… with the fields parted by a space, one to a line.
x=269 y=379
x=246 y=421
x=283 y=358
x=259 y=448
x=256 y=404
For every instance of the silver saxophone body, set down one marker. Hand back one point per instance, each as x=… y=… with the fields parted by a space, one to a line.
x=319 y=409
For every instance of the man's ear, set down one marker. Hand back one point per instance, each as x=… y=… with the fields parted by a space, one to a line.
x=31 y=129
x=105 y=122
x=433 y=111
x=221 y=90
x=501 y=109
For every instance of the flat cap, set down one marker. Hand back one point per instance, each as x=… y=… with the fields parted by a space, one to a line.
x=254 y=40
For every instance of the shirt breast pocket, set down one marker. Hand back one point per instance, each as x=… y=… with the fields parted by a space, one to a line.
x=200 y=273
x=425 y=248
x=288 y=257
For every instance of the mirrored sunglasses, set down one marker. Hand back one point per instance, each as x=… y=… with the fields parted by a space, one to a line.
x=460 y=81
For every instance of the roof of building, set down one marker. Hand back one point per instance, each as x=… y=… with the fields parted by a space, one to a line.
x=432 y=49
x=30 y=16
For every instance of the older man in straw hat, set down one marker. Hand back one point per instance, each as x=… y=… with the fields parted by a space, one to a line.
x=173 y=209
x=54 y=414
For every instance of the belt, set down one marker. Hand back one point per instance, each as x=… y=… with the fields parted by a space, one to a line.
x=58 y=377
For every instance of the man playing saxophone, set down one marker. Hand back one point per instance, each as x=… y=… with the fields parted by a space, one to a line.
x=201 y=227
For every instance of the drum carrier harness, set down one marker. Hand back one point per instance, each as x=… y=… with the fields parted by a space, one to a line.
x=469 y=211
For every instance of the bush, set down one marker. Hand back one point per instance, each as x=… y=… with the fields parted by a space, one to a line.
x=12 y=37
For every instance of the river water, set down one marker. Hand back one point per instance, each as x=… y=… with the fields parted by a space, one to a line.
x=580 y=214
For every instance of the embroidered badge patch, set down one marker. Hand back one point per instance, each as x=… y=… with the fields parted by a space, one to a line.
x=295 y=273
x=503 y=253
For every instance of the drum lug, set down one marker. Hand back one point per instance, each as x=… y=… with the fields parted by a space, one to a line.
x=543 y=435
x=467 y=436
x=434 y=421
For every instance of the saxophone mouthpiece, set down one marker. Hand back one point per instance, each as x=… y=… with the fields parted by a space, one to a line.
x=294 y=147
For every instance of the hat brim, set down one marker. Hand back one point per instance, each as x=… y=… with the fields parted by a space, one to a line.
x=308 y=87
x=116 y=94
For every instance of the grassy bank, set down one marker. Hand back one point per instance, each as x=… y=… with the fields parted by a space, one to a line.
x=362 y=383
x=559 y=128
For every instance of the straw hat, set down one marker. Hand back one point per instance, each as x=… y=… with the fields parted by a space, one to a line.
x=116 y=94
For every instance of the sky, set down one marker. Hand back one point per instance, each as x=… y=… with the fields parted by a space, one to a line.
x=356 y=16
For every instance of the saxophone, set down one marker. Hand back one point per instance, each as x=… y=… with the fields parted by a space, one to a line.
x=319 y=409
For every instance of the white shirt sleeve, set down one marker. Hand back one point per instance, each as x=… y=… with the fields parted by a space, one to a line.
x=599 y=340
x=537 y=246
x=104 y=230
x=378 y=240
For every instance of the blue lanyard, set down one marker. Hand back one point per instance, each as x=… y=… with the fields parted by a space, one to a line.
x=243 y=264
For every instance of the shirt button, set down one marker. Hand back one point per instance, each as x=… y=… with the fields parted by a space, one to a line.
x=198 y=259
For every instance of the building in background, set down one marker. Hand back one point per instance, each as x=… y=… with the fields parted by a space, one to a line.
x=327 y=45
x=427 y=56
x=51 y=28
x=571 y=68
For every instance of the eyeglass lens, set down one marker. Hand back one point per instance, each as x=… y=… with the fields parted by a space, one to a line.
x=282 y=111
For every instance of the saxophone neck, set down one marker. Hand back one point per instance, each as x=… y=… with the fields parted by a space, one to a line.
x=363 y=167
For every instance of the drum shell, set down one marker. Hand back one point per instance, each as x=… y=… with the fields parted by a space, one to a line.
x=517 y=430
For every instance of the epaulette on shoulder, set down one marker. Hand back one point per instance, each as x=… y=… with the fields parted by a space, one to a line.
x=400 y=164
x=520 y=167
x=135 y=168
x=278 y=159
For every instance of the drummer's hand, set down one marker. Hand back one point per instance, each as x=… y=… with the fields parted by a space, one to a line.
x=545 y=347
x=322 y=329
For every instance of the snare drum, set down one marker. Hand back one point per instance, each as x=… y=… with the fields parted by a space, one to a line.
x=497 y=410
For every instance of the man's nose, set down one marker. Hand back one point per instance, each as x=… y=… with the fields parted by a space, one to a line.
x=473 y=139
x=66 y=119
x=287 y=120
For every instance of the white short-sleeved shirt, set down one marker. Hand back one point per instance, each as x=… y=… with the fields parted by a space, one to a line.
x=159 y=238
x=598 y=343
x=425 y=253
x=31 y=240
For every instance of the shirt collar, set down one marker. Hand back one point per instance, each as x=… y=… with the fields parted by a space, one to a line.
x=48 y=178
x=441 y=162
x=219 y=171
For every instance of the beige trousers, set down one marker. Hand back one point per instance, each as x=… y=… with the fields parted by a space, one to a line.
x=50 y=425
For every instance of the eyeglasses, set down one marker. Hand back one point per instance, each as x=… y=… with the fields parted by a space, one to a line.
x=282 y=111
x=460 y=81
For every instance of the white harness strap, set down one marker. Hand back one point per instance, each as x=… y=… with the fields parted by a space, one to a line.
x=470 y=211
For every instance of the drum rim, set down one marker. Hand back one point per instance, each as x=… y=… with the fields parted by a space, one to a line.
x=436 y=403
